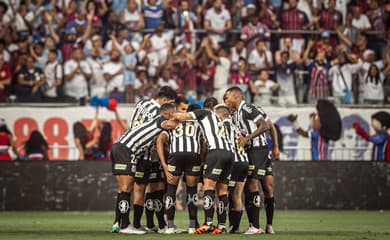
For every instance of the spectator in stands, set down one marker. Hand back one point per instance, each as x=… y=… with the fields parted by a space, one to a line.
x=329 y=18
x=294 y=19
x=318 y=73
x=253 y=31
x=36 y=51
x=285 y=76
x=36 y=147
x=133 y=19
x=341 y=75
x=185 y=20
x=5 y=78
x=347 y=33
x=96 y=57
x=287 y=47
x=325 y=44
x=379 y=21
x=264 y=88
x=148 y=58
x=361 y=46
x=217 y=22
x=237 y=52
x=102 y=147
x=373 y=84
x=113 y=73
x=260 y=57
x=161 y=44
x=6 y=142
x=166 y=80
x=129 y=57
x=222 y=69
x=268 y=15
x=360 y=20
x=184 y=62
x=98 y=8
x=77 y=74
x=243 y=79
x=121 y=38
x=53 y=74
x=30 y=79
x=153 y=14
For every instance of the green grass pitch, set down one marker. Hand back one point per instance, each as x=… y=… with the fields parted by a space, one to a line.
x=298 y=225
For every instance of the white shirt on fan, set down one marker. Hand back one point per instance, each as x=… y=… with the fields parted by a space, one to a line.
x=77 y=87
x=259 y=61
x=222 y=72
x=117 y=81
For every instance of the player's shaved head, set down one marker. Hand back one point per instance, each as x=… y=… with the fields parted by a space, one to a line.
x=210 y=103
x=233 y=97
x=167 y=107
x=222 y=111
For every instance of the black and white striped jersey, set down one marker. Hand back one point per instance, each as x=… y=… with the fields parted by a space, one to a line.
x=234 y=135
x=185 y=137
x=140 y=139
x=145 y=110
x=213 y=129
x=245 y=119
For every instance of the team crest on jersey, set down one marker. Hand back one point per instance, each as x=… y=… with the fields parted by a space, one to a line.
x=169 y=203
x=247 y=108
x=208 y=202
x=123 y=206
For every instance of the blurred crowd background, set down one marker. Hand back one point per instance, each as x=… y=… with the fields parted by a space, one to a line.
x=279 y=52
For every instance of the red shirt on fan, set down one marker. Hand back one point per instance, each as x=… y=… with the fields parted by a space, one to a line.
x=5 y=74
x=5 y=143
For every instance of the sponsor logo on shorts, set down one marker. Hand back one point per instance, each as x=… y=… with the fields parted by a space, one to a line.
x=251 y=167
x=139 y=174
x=196 y=169
x=216 y=171
x=133 y=167
x=119 y=166
x=232 y=183
x=171 y=168
x=269 y=169
x=261 y=172
x=153 y=176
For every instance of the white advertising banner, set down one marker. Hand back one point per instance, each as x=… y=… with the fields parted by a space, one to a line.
x=56 y=124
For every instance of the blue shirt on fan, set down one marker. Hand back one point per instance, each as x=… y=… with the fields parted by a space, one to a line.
x=153 y=15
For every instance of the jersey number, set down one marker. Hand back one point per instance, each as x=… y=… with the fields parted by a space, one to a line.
x=188 y=130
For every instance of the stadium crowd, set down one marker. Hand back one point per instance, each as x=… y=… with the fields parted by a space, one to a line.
x=70 y=50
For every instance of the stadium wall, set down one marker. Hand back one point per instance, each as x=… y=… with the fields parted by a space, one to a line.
x=56 y=125
x=89 y=185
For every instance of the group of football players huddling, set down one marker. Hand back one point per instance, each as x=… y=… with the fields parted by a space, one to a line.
x=221 y=151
